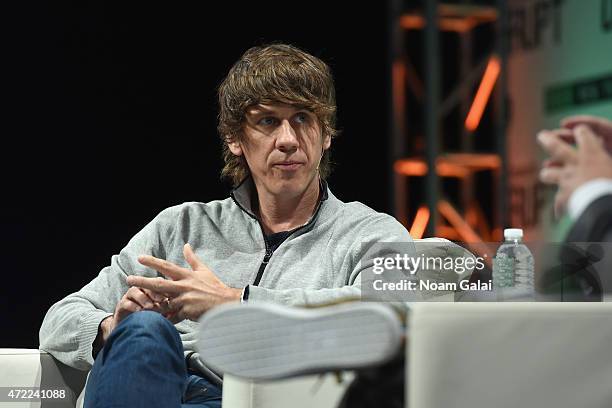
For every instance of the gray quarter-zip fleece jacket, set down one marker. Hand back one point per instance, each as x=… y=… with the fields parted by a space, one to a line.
x=318 y=263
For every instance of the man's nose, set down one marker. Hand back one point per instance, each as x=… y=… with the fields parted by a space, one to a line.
x=286 y=139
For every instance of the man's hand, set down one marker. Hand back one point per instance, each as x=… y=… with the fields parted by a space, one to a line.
x=191 y=292
x=134 y=300
x=569 y=168
x=600 y=126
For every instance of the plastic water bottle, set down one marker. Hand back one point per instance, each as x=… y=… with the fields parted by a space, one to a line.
x=513 y=266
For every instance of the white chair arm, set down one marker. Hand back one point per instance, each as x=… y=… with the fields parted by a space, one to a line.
x=21 y=368
x=506 y=355
x=302 y=392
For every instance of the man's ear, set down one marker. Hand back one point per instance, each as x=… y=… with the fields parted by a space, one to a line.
x=326 y=142
x=234 y=146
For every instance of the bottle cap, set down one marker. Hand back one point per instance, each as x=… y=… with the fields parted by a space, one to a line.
x=513 y=233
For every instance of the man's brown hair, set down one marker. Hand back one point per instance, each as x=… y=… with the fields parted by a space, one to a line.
x=275 y=73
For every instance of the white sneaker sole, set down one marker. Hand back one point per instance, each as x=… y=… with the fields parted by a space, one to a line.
x=263 y=341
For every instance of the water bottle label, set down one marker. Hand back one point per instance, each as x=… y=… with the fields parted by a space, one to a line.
x=503 y=271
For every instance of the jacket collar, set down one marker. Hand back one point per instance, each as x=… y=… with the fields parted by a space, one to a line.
x=245 y=192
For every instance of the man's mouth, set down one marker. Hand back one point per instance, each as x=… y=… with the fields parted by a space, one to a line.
x=288 y=165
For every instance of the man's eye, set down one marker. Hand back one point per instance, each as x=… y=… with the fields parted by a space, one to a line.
x=267 y=121
x=301 y=118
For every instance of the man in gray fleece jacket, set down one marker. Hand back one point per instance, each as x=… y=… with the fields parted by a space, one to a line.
x=281 y=237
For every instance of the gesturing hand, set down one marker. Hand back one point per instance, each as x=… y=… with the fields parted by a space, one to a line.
x=602 y=127
x=191 y=292
x=569 y=168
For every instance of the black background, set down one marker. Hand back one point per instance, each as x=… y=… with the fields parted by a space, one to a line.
x=110 y=116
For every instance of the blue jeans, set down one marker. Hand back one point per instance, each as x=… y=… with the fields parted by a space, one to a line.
x=142 y=365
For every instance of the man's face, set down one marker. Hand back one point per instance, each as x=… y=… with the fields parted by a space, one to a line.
x=282 y=145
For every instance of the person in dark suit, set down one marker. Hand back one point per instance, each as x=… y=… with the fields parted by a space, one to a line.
x=583 y=175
